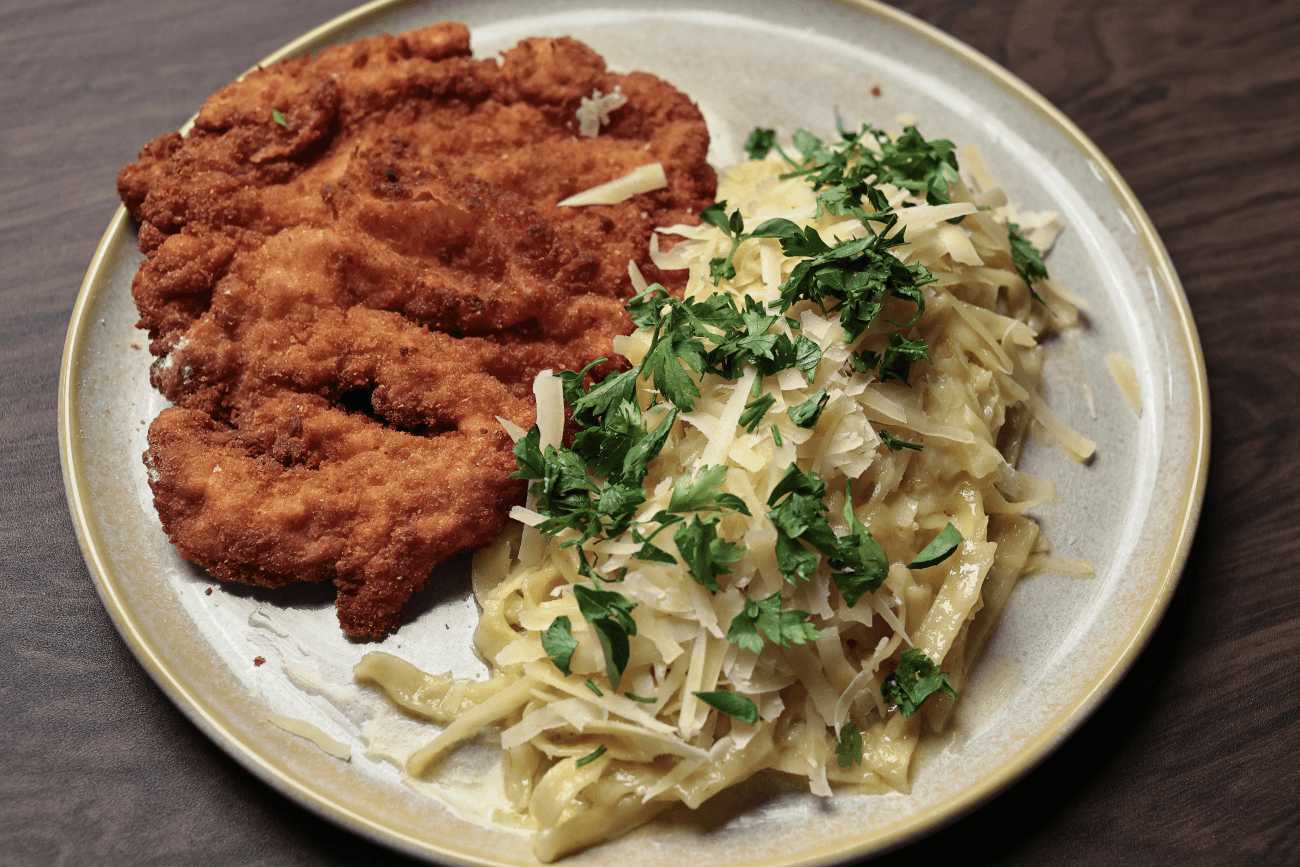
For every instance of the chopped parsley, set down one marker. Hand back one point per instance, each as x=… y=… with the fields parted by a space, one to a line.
x=807 y=413
x=765 y=616
x=858 y=560
x=848 y=746
x=914 y=680
x=760 y=141
x=279 y=118
x=559 y=643
x=731 y=703
x=1026 y=259
x=610 y=615
x=894 y=443
x=941 y=547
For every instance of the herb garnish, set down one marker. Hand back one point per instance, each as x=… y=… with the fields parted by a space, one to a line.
x=559 y=643
x=730 y=703
x=941 y=547
x=914 y=680
x=1026 y=259
x=894 y=443
x=765 y=616
x=594 y=486
x=760 y=141
x=848 y=746
x=279 y=118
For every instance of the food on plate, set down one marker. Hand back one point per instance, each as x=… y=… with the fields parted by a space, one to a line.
x=357 y=262
x=779 y=539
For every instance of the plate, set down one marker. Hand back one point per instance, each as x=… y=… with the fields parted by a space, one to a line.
x=1062 y=644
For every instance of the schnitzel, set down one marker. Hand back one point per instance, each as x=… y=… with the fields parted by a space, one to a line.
x=355 y=265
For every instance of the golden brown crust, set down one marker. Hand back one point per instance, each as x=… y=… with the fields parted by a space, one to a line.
x=343 y=302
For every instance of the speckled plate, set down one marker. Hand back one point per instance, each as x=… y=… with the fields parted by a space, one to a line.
x=1062 y=644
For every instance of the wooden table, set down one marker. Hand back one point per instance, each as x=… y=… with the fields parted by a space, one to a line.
x=1194 y=759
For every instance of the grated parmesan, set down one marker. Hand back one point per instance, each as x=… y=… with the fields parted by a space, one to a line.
x=641 y=180
x=593 y=111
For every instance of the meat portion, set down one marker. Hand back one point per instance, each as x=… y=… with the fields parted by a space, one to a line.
x=355 y=265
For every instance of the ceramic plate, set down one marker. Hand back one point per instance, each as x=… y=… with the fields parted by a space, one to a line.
x=1062 y=644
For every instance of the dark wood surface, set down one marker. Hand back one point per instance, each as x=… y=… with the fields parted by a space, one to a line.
x=1194 y=759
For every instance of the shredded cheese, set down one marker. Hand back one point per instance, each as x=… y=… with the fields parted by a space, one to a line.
x=1126 y=378
x=593 y=111
x=642 y=180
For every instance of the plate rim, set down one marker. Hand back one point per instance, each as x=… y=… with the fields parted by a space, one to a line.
x=900 y=832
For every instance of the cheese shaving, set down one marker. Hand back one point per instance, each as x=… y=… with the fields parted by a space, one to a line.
x=593 y=111
x=641 y=180
x=1126 y=378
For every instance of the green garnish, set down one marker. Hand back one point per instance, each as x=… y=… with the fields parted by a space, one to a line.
x=940 y=548
x=858 y=560
x=730 y=703
x=641 y=698
x=279 y=118
x=591 y=685
x=760 y=141
x=914 y=680
x=755 y=410
x=610 y=615
x=706 y=555
x=590 y=757
x=765 y=616
x=1026 y=259
x=848 y=746
x=894 y=443
x=807 y=413
x=559 y=643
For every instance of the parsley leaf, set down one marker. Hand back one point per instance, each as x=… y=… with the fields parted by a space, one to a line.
x=860 y=559
x=559 y=643
x=914 y=680
x=807 y=356
x=610 y=615
x=279 y=118
x=806 y=414
x=755 y=410
x=894 y=443
x=706 y=555
x=1026 y=259
x=940 y=548
x=765 y=616
x=760 y=141
x=896 y=361
x=848 y=746
x=730 y=703
x=703 y=493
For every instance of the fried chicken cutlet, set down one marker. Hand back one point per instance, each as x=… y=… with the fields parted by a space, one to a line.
x=355 y=264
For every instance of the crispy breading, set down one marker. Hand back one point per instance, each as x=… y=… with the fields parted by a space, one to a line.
x=355 y=265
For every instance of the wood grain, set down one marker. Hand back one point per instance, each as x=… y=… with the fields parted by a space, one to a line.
x=1193 y=758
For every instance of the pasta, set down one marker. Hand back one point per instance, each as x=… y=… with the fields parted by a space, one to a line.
x=599 y=737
